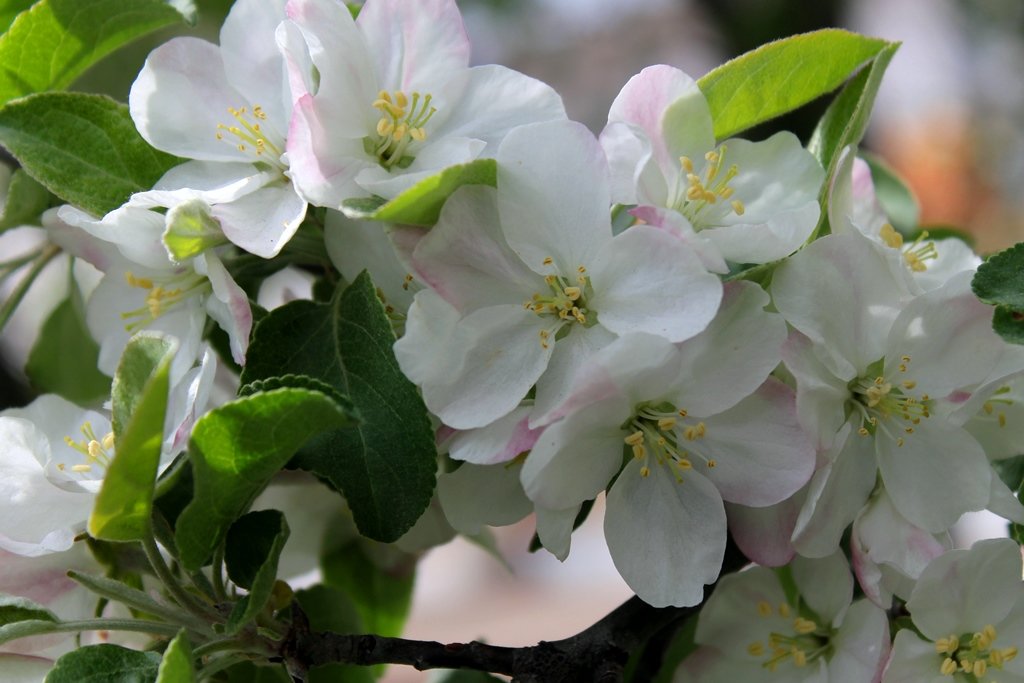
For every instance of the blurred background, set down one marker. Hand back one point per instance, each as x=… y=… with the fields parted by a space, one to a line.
x=949 y=119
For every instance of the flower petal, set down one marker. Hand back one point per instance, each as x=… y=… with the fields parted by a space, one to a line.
x=736 y=615
x=826 y=584
x=861 y=645
x=475 y=496
x=763 y=534
x=554 y=529
x=573 y=353
x=913 y=660
x=252 y=61
x=498 y=442
x=820 y=396
x=263 y=221
x=229 y=305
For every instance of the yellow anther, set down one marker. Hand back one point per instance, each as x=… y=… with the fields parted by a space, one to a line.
x=784 y=611
x=81 y=468
x=1002 y=419
x=639 y=451
x=980 y=667
x=573 y=293
x=94 y=449
x=863 y=431
x=401 y=100
x=799 y=657
x=755 y=649
x=686 y=163
x=635 y=439
x=909 y=430
x=667 y=423
x=406 y=281
x=711 y=156
x=712 y=463
x=1008 y=653
x=140 y=282
x=385 y=127
x=891 y=237
x=988 y=408
x=905 y=358
x=908 y=384
x=948 y=667
x=645 y=471
x=547 y=261
x=764 y=609
x=684 y=464
x=804 y=626
x=737 y=205
x=988 y=636
x=899 y=442
x=682 y=413
x=947 y=645
x=108 y=441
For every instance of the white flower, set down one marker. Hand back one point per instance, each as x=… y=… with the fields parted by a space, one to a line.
x=393 y=99
x=528 y=281
x=227 y=108
x=748 y=202
x=968 y=611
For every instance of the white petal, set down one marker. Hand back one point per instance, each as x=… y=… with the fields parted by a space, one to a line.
x=1003 y=502
x=554 y=529
x=474 y=496
x=229 y=305
x=763 y=534
x=678 y=225
x=732 y=619
x=635 y=176
x=357 y=245
x=778 y=236
x=498 y=442
x=135 y=232
x=263 y=221
x=667 y=539
x=424 y=351
x=573 y=353
x=187 y=402
x=913 y=660
x=861 y=645
x=820 y=396
x=826 y=584
x=554 y=199
x=645 y=280
x=252 y=62
x=433 y=157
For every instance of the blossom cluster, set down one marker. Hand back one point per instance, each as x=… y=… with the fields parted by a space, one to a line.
x=588 y=323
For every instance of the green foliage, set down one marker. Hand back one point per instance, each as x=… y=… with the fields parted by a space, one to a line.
x=247 y=672
x=253 y=548
x=9 y=9
x=105 y=664
x=176 y=666
x=63 y=360
x=49 y=46
x=381 y=595
x=236 y=449
x=895 y=198
x=14 y=608
x=421 y=204
x=386 y=465
x=465 y=676
x=139 y=395
x=779 y=77
x=330 y=609
x=1000 y=282
x=26 y=201
x=83 y=148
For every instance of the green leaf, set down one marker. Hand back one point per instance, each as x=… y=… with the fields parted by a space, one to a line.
x=139 y=395
x=386 y=466
x=1000 y=279
x=63 y=360
x=381 y=595
x=465 y=676
x=176 y=666
x=846 y=119
x=14 y=608
x=421 y=204
x=83 y=148
x=1009 y=324
x=105 y=664
x=895 y=198
x=9 y=9
x=779 y=77
x=248 y=672
x=25 y=202
x=52 y=44
x=330 y=609
x=254 y=545
x=236 y=449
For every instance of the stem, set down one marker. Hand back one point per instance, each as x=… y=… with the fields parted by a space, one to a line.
x=217 y=571
x=136 y=599
x=220 y=664
x=40 y=262
x=220 y=646
x=178 y=592
x=23 y=629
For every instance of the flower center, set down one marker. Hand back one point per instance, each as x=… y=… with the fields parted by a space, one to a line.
x=401 y=124
x=162 y=296
x=708 y=188
x=917 y=253
x=97 y=451
x=565 y=299
x=995 y=407
x=972 y=654
x=807 y=642
x=249 y=137
x=882 y=398
x=666 y=434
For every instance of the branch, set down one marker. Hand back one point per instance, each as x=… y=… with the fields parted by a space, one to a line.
x=597 y=654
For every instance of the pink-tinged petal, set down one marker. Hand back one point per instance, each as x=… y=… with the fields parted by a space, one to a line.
x=79 y=243
x=213 y=182
x=669 y=108
x=732 y=619
x=1004 y=503
x=840 y=292
x=498 y=99
x=465 y=258
x=498 y=442
x=836 y=494
x=936 y=475
x=252 y=61
x=323 y=164
x=135 y=232
x=861 y=647
x=357 y=245
x=820 y=396
x=346 y=82
x=571 y=354
x=962 y=591
x=575 y=458
x=913 y=660
x=475 y=496
x=554 y=529
x=180 y=97
x=676 y=224
x=262 y=222
x=636 y=367
x=416 y=46
x=825 y=584
x=635 y=175
x=229 y=305
x=947 y=333
x=554 y=198
x=732 y=357
x=666 y=538
x=431 y=159
x=761 y=454
x=763 y=534
x=645 y=280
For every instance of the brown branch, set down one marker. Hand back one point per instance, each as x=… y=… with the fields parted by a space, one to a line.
x=597 y=654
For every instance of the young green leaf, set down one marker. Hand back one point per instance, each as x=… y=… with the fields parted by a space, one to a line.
x=386 y=466
x=421 y=204
x=9 y=9
x=381 y=596
x=236 y=449
x=176 y=666
x=83 y=148
x=895 y=198
x=1000 y=280
x=253 y=548
x=139 y=395
x=105 y=664
x=25 y=202
x=52 y=44
x=14 y=608
x=63 y=360
x=779 y=77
